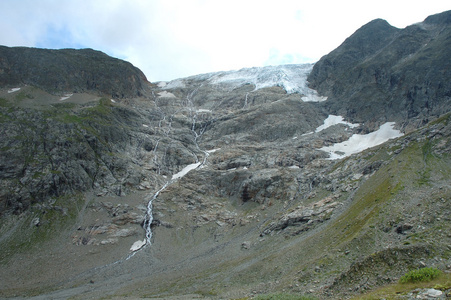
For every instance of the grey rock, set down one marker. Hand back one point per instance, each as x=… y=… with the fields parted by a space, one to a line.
x=70 y=70
x=377 y=62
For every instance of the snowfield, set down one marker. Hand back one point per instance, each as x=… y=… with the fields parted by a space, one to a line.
x=334 y=120
x=359 y=142
x=185 y=170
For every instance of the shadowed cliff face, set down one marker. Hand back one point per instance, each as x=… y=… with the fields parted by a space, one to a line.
x=383 y=73
x=69 y=70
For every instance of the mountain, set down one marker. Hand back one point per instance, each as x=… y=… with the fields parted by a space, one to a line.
x=69 y=71
x=228 y=185
x=384 y=73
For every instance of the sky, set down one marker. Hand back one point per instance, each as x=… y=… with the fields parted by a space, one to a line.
x=171 y=39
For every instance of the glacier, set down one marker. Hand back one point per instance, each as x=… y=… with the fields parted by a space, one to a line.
x=292 y=78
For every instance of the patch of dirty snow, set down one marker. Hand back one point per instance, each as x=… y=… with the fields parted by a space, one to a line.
x=165 y=94
x=312 y=96
x=13 y=90
x=185 y=170
x=66 y=96
x=334 y=120
x=358 y=142
x=137 y=245
x=201 y=110
x=213 y=150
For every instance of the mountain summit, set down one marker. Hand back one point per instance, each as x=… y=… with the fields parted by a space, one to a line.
x=69 y=71
x=384 y=73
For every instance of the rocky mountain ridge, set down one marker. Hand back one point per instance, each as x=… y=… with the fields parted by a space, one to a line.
x=384 y=73
x=237 y=175
x=70 y=71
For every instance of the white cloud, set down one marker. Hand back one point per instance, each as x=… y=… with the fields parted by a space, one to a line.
x=175 y=38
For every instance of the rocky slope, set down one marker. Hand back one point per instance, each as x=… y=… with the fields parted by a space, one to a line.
x=227 y=184
x=69 y=70
x=384 y=73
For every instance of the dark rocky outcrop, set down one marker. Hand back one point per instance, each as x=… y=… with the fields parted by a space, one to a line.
x=384 y=73
x=70 y=70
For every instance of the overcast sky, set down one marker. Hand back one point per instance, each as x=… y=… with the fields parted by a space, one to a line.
x=169 y=39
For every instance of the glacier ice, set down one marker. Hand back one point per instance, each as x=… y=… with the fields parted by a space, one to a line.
x=293 y=78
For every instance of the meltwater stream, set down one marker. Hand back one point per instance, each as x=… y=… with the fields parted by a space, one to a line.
x=138 y=245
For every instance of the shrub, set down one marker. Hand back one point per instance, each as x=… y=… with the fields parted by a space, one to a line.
x=424 y=274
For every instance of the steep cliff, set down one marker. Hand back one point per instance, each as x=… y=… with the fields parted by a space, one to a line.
x=383 y=73
x=70 y=70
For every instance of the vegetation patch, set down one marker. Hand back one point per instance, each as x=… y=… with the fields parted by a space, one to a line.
x=400 y=290
x=419 y=275
x=4 y=102
x=39 y=225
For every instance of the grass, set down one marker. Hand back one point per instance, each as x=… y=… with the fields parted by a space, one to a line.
x=4 y=103
x=424 y=274
x=52 y=221
x=396 y=291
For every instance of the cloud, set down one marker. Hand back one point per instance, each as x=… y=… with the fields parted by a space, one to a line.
x=168 y=39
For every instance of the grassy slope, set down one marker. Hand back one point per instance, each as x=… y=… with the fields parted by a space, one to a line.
x=412 y=187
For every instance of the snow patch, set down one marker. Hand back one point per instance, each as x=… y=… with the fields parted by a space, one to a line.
x=293 y=167
x=334 y=120
x=358 y=142
x=312 y=96
x=112 y=100
x=144 y=125
x=137 y=245
x=162 y=84
x=13 y=90
x=66 y=96
x=213 y=150
x=165 y=94
x=185 y=170
x=201 y=110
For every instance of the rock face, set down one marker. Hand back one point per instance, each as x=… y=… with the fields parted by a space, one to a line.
x=69 y=71
x=232 y=174
x=384 y=73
